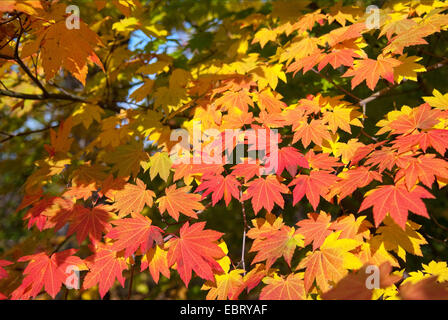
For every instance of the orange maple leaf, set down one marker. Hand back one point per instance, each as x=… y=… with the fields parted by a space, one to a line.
x=279 y=288
x=371 y=70
x=180 y=201
x=275 y=244
x=315 y=229
x=133 y=198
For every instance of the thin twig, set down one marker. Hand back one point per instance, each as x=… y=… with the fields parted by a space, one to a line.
x=10 y=135
x=336 y=85
x=131 y=281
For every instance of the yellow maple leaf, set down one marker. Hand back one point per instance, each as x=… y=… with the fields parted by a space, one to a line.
x=86 y=114
x=126 y=159
x=408 y=68
x=398 y=240
x=160 y=164
x=438 y=100
x=330 y=262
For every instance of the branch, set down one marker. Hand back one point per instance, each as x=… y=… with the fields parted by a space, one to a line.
x=45 y=94
x=336 y=85
x=10 y=135
x=383 y=91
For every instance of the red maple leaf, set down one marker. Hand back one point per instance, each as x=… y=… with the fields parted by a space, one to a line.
x=195 y=250
x=44 y=272
x=89 y=222
x=313 y=186
x=425 y=169
x=315 y=229
x=134 y=233
x=288 y=158
x=397 y=201
x=264 y=193
x=437 y=138
x=3 y=273
x=105 y=266
x=220 y=186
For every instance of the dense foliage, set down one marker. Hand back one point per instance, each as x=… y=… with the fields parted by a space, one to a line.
x=337 y=114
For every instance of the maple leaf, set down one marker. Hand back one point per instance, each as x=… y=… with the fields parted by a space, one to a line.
x=105 y=266
x=410 y=37
x=408 y=68
x=58 y=44
x=425 y=169
x=246 y=170
x=60 y=141
x=371 y=70
x=279 y=288
x=351 y=227
x=397 y=201
x=422 y=117
x=438 y=139
x=288 y=158
x=314 y=185
x=264 y=193
x=155 y=259
x=321 y=161
x=353 y=179
x=341 y=117
x=314 y=131
x=353 y=286
x=385 y=158
x=438 y=100
x=220 y=187
x=86 y=114
x=195 y=250
x=330 y=262
x=263 y=36
x=337 y=58
x=3 y=273
x=275 y=244
x=89 y=222
x=143 y=91
x=133 y=198
x=82 y=191
x=227 y=285
x=315 y=229
x=46 y=272
x=400 y=240
x=134 y=233
x=267 y=101
x=240 y=100
x=160 y=164
x=179 y=200
x=427 y=289
x=127 y=158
